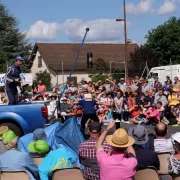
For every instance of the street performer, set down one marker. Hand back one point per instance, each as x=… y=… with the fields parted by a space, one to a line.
x=12 y=80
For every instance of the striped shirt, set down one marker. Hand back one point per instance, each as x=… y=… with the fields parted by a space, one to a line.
x=163 y=145
x=87 y=150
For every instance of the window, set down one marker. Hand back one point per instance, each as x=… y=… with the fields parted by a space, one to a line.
x=39 y=61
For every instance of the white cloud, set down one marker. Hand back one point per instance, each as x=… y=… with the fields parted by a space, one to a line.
x=146 y=7
x=100 y=30
x=43 y=31
x=169 y=6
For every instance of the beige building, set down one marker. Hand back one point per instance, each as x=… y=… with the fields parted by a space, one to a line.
x=58 y=59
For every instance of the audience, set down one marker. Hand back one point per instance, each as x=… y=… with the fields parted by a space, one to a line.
x=87 y=152
x=145 y=157
x=174 y=160
x=13 y=160
x=161 y=143
x=116 y=165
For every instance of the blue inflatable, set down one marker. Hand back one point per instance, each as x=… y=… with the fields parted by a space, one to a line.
x=66 y=135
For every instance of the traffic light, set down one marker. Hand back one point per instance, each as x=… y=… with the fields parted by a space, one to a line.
x=89 y=60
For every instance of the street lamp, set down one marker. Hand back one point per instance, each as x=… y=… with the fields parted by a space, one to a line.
x=125 y=40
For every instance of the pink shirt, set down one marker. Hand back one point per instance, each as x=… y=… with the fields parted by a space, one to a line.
x=116 y=166
x=152 y=113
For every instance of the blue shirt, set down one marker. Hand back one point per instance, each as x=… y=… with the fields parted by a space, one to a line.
x=57 y=159
x=88 y=106
x=13 y=160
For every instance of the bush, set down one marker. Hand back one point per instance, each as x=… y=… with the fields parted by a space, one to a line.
x=96 y=78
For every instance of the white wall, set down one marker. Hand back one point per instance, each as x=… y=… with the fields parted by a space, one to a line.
x=35 y=69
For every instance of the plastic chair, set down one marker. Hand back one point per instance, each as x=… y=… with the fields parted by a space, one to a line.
x=68 y=174
x=37 y=161
x=163 y=159
x=18 y=175
x=147 y=174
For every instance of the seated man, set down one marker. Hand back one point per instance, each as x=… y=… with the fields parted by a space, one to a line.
x=56 y=159
x=87 y=151
x=115 y=165
x=161 y=143
x=13 y=160
x=145 y=157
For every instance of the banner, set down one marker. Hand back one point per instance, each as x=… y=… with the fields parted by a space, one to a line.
x=28 y=78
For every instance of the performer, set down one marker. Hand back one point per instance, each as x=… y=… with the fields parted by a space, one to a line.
x=12 y=80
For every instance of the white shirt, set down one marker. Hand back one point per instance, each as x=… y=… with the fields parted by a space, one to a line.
x=163 y=145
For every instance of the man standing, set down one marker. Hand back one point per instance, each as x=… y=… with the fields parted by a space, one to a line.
x=12 y=80
x=41 y=87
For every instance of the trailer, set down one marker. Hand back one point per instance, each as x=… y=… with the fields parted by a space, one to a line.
x=162 y=71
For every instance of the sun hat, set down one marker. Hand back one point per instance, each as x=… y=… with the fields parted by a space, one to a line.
x=120 y=139
x=175 y=90
x=39 y=134
x=3 y=129
x=139 y=133
x=40 y=147
x=94 y=127
x=88 y=97
x=19 y=58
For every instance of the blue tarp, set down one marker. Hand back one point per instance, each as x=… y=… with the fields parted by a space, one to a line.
x=66 y=135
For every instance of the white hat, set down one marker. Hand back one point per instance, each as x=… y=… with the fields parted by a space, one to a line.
x=176 y=137
x=88 y=97
x=63 y=99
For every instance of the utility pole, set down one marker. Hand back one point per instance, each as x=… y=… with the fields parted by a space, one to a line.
x=125 y=40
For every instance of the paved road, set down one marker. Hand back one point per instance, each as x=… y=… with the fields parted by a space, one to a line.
x=171 y=129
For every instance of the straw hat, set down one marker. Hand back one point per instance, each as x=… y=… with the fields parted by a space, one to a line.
x=3 y=129
x=120 y=139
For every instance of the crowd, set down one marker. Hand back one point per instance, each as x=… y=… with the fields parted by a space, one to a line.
x=117 y=156
x=135 y=101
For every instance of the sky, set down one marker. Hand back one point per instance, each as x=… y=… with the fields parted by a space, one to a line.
x=64 y=21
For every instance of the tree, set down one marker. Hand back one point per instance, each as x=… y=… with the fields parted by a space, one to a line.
x=138 y=60
x=164 y=41
x=12 y=42
x=99 y=67
x=45 y=77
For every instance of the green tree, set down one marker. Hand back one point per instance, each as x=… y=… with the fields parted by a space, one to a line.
x=96 y=78
x=99 y=67
x=164 y=41
x=12 y=42
x=45 y=77
x=138 y=60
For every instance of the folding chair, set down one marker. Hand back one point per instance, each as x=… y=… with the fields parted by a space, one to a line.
x=147 y=174
x=15 y=175
x=37 y=160
x=91 y=163
x=163 y=159
x=68 y=174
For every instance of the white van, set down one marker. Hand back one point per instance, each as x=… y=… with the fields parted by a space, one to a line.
x=163 y=71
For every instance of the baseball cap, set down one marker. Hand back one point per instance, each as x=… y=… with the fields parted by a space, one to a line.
x=19 y=58
x=94 y=127
x=41 y=147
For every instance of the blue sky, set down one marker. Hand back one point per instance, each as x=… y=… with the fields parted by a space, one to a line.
x=65 y=20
